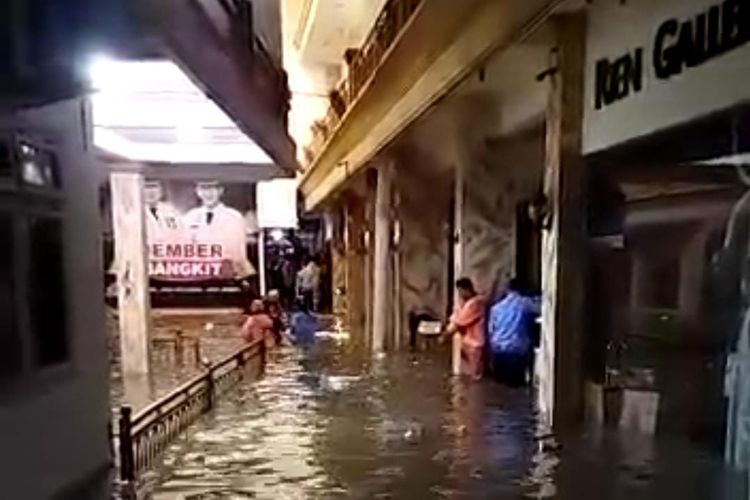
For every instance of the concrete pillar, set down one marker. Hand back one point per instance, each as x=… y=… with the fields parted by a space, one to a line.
x=559 y=365
x=369 y=259
x=459 y=196
x=397 y=301
x=356 y=267
x=382 y=298
x=132 y=271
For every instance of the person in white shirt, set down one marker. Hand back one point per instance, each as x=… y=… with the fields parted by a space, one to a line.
x=163 y=221
x=308 y=283
x=215 y=223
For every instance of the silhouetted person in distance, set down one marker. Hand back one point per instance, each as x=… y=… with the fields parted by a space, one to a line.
x=308 y=283
x=276 y=313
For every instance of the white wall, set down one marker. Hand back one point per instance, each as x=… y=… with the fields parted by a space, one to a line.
x=53 y=435
x=616 y=29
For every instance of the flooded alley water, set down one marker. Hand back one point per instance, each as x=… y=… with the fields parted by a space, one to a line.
x=330 y=423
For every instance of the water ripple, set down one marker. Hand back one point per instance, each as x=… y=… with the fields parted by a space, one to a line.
x=330 y=424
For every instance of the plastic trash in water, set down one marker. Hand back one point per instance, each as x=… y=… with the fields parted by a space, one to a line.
x=333 y=335
x=337 y=383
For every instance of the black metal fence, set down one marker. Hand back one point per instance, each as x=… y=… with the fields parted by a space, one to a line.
x=143 y=436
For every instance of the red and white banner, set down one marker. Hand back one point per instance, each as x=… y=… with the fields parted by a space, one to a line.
x=203 y=239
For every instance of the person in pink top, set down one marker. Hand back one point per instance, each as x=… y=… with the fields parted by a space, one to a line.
x=468 y=321
x=258 y=325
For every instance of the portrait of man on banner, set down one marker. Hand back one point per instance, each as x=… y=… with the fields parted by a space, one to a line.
x=206 y=242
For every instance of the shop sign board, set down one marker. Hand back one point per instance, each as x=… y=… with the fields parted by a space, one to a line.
x=652 y=65
x=277 y=204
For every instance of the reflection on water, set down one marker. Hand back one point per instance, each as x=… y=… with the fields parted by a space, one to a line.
x=330 y=424
x=219 y=334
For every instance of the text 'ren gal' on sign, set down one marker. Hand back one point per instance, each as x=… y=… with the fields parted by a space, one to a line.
x=651 y=65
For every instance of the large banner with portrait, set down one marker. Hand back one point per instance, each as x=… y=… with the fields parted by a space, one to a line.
x=199 y=231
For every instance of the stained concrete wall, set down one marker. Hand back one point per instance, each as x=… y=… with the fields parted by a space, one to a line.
x=504 y=175
x=500 y=115
x=424 y=204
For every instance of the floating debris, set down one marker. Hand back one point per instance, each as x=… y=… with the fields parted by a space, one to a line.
x=333 y=335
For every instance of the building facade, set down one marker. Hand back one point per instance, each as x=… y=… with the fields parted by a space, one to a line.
x=623 y=124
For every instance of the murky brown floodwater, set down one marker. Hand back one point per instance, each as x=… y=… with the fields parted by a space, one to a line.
x=167 y=370
x=327 y=425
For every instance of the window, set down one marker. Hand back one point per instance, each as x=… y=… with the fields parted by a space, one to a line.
x=11 y=362
x=46 y=285
x=33 y=312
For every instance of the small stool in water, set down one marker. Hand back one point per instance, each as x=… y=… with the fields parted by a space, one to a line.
x=428 y=332
x=640 y=409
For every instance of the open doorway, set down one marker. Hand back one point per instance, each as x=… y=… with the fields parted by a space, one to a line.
x=528 y=249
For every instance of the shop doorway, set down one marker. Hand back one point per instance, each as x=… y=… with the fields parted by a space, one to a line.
x=528 y=249
x=668 y=268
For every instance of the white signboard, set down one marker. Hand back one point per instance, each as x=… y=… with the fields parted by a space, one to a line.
x=277 y=203
x=652 y=65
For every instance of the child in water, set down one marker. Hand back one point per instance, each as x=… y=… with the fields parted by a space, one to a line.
x=304 y=325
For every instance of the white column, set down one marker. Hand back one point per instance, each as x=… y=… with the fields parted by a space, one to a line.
x=458 y=254
x=262 y=262
x=132 y=271
x=381 y=303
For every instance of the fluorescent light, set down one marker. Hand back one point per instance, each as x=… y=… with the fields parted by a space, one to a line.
x=143 y=96
x=277 y=235
x=114 y=143
x=735 y=159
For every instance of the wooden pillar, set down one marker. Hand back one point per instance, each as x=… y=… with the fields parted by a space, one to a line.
x=559 y=366
x=381 y=300
x=132 y=271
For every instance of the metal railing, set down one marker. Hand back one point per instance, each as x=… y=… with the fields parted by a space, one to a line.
x=362 y=65
x=143 y=436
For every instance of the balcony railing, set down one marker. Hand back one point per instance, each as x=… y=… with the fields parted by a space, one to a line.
x=362 y=64
x=142 y=437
